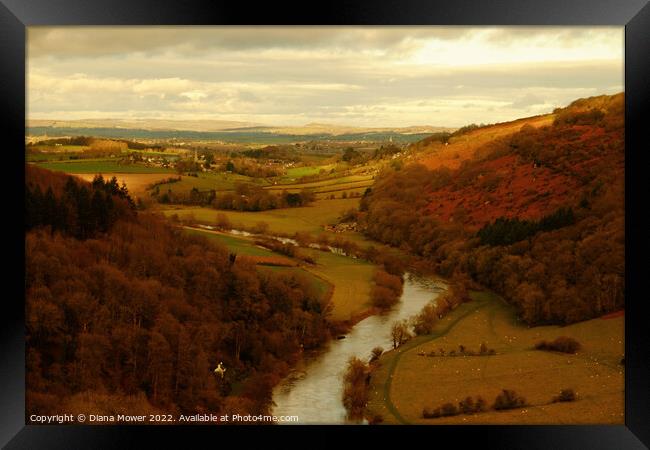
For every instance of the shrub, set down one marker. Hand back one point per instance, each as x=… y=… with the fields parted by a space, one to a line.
x=466 y=406
x=355 y=394
x=392 y=282
x=383 y=297
x=260 y=228
x=424 y=322
x=480 y=405
x=562 y=344
x=223 y=223
x=448 y=409
x=566 y=395
x=376 y=353
x=431 y=413
x=508 y=399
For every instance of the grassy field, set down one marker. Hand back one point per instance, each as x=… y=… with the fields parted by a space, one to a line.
x=295 y=173
x=349 y=179
x=100 y=166
x=352 y=280
x=59 y=148
x=233 y=244
x=287 y=220
x=326 y=188
x=406 y=382
x=322 y=287
x=136 y=183
x=209 y=181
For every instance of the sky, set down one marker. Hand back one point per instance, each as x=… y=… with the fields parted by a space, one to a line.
x=291 y=76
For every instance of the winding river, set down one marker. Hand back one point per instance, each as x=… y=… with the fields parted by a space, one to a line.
x=313 y=390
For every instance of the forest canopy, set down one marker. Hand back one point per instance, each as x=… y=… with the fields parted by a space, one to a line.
x=135 y=310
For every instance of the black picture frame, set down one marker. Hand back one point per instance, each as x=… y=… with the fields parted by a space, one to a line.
x=16 y=15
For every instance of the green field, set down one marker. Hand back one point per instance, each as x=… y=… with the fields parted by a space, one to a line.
x=323 y=288
x=59 y=148
x=295 y=173
x=153 y=153
x=285 y=221
x=209 y=181
x=233 y=244
x=405 y=382
x=100 y=166
x=322 y=279
x=331 y=182
x=53 y=153
x=352 y=280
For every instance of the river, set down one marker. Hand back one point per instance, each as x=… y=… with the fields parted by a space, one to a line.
x=313 y=390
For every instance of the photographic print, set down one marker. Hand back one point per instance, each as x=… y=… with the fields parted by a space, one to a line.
x=385 y=225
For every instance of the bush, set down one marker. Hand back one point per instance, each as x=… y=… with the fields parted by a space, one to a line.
x=424 y=322
x=223 y=223
x=387 y=289
x=562 y=344
x=566 y=395
x=383 y=297
x=448 y=409
x=480 y=405
x=376 y=353
x=466 y=406
x=431 y=413
x=392 y=282
x=355 y=394
x=508 y=399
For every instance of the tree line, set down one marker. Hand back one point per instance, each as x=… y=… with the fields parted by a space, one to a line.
x=80 y=210
x=506 y=231
x=245 y=197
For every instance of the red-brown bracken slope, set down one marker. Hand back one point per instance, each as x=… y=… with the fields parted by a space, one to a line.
x=527 y=168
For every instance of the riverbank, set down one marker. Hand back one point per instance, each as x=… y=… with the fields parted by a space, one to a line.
x=406 y=380
x=314 y=390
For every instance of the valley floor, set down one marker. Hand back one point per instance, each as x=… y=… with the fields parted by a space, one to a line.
x=406 y=381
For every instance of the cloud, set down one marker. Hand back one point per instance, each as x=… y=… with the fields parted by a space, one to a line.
x=527 y=101
x=370 y=76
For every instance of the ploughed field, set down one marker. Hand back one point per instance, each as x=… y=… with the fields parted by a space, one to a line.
x=407 y=380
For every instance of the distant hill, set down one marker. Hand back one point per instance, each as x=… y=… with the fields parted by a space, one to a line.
x=142 y=124
x=224 y=131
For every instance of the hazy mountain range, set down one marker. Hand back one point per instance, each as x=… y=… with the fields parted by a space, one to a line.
x=226 y=126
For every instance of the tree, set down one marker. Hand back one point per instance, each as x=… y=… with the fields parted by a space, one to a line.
x=350 y=154
x=400 y=333
x=355 y=393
